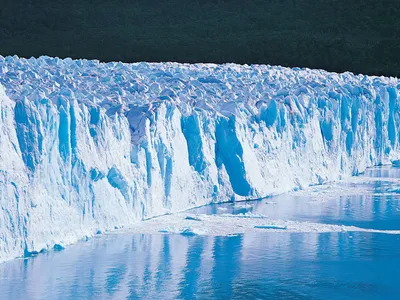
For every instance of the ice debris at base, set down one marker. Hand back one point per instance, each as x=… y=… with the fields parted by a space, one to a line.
x=87 y=146
x=359 y=185
x=219 y=225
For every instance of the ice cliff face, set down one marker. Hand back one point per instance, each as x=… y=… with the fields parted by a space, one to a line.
x=86 y=147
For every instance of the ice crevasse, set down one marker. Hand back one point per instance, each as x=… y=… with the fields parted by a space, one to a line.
x=87 y=146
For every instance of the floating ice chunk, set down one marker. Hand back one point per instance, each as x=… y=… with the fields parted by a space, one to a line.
x=192 y=218
x=396 y=163
x=244 y=206
x=188 y=232
x=58 y=247
x=270 y=202
x=270 y=227
x=247 y=215
x=222 y=208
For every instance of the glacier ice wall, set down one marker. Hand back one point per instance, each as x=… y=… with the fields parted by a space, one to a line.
x=87 y=147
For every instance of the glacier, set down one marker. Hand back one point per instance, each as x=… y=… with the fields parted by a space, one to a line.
x=87 y=147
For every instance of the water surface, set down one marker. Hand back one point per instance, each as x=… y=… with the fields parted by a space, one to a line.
x=340 y=265
x=286 y=265
x=374 y=205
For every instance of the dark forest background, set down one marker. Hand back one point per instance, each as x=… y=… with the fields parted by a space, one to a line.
x=362 y=36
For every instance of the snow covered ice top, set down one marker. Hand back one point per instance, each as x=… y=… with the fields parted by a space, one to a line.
x=88 y=146
x=221 y=88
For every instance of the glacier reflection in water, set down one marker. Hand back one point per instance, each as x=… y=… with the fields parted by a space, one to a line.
x=287 y=265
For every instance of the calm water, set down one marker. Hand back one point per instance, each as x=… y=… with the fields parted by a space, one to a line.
x=377 y=205
x=267 y=265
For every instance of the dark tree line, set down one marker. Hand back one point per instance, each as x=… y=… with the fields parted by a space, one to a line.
x=362 y=36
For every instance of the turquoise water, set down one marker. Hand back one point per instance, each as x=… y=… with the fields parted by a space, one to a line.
x=259 y=265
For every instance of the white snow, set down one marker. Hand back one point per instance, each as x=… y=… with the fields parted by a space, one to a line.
x=86 y=147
